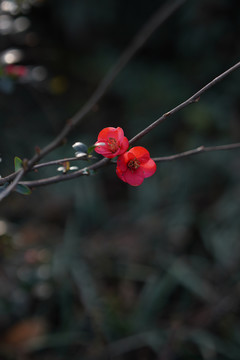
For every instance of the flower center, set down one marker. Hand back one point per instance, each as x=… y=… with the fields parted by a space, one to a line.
x=133 y=164
x=112 y=144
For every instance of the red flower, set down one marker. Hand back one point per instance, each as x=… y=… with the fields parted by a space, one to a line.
x=111 y=142
x=16 y=70
x=135 y=165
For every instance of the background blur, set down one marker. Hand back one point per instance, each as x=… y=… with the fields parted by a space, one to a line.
x=94 y=268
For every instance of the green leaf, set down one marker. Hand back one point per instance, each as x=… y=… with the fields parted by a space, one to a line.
x=90 y=149
x=23 y=189
x=17 y=163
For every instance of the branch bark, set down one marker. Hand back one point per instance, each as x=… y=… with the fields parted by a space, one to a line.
x=198 y=150
x=192 y=99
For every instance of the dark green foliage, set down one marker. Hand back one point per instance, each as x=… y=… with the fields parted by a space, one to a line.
x=115 y=271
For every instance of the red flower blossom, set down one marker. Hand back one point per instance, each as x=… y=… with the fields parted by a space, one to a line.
x=111 y=142
x=135 y=165
x=16 y=70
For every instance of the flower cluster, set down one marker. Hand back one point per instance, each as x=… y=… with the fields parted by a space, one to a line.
x=133 y=165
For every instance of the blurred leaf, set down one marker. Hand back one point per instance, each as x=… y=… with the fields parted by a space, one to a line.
x=20 y=334
x=153 y=298
x=188 y=277
x=57 y=340
x=7 y=86
x=69 y=259
x=17 y=163
x=154 y=339
x=220 y=230
x=23 y=189
x=207 y=341
x=90 y=149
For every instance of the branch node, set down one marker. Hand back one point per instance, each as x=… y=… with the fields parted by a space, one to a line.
x=37 y=150
x=25 y=164
x=167 y=114
x=197 y=99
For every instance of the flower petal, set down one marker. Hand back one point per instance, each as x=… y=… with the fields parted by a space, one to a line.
x=140 y=153
x=107 y=132
x=124 y=145
x=112 y=142
x=104 y=151
x=119 y=134
x=111 y=132
x=123 y=160
x=120 y=174
x=149 y=168
x=134 y=178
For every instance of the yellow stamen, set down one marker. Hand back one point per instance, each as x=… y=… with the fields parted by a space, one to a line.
x=133 y=164
x=113 y=145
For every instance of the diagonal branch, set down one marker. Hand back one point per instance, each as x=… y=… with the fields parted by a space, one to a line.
x=13 y=184
x=64 y=177
x=192 y=99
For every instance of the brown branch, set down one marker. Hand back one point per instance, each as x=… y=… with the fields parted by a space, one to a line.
x=10 y=177
x=198 y=150
x=192 y=99
x=61 y=161
x=68 y=176
x=12 y=185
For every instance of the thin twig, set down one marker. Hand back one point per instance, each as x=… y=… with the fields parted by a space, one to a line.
x=198 y=150
x=192 y=99
x=64 y=177
x=10 y=177
x=61 y=161
x=12 y=185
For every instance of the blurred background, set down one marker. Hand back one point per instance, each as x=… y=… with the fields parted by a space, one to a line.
x=94 y=268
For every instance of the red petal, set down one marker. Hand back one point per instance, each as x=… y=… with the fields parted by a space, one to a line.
x=123 y=160
x=120 y=174
x=140 y=153
x=119 y=134
x=111 y=132
x=134 y=178
x=149 y=168
x=124 y=145
x=103 y=150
